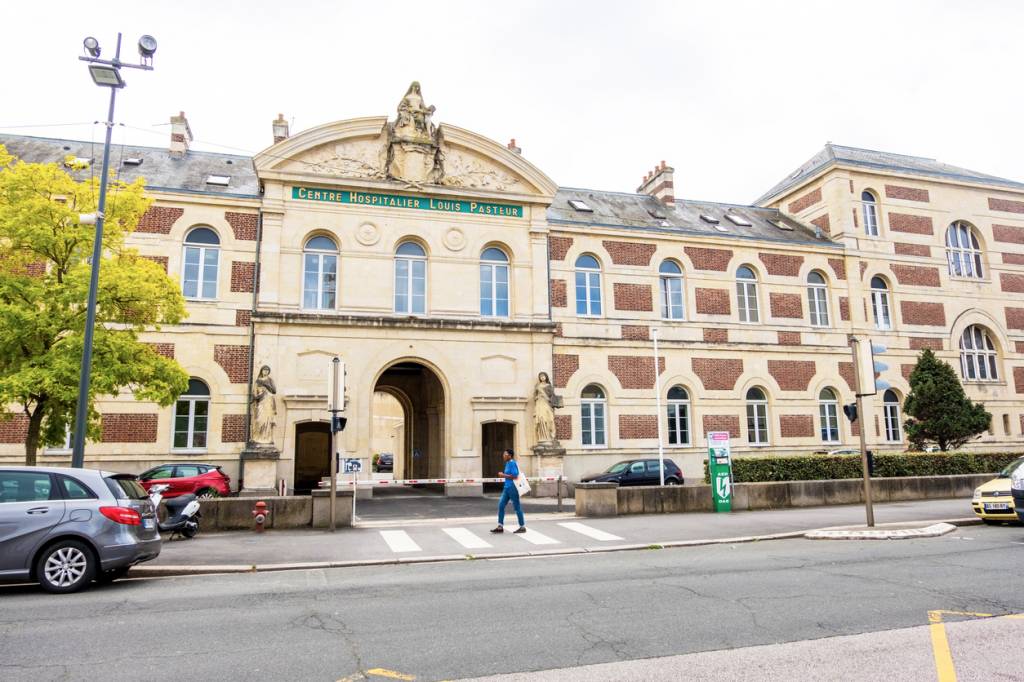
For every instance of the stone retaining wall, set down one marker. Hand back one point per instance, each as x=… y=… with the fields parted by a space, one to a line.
x=305 y=511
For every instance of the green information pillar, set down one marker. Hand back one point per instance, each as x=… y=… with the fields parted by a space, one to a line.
x=720 y=468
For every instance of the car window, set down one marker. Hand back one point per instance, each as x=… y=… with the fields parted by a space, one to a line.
x=75 y=490
x=25 y=486
x=126 y=488
x=617 y=468
x=653 y=468
x=636 y=468
x=186 y=471
x=161 y=472
x=1011 y=467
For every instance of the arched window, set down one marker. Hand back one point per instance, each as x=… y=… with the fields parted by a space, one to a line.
x=978 y=355
x=671 y=291
x=493 y=283
x=588 y=285
x=320 y=274
x=593 y=416
x=963 y=251
x=817 y=299
x=678 y=416
x=870 y=205
x=191 y=414
x=201 y=258
x=746 y=294
x=891 y=416
x=880 y=304
x=757 y=417
x=828 y=412
x=410 y=279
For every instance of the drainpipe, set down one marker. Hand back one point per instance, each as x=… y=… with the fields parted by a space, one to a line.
x=252 y=343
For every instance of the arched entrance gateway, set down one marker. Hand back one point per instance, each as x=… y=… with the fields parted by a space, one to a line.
x=420 y=396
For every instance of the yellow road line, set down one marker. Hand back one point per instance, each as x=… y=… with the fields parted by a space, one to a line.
x=383 y=672
x=940 y=648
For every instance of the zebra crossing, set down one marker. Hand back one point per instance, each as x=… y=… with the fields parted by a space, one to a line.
x=401 y=542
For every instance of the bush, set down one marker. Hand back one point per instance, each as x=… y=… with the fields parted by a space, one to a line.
x=887 y=465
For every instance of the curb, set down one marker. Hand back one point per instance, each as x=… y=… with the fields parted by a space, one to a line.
x=168 y=571
x=932 y=531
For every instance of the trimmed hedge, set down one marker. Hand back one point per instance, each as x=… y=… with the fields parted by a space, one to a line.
x=887 y=465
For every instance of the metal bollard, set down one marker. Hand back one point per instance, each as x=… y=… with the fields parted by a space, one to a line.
x=558 y=485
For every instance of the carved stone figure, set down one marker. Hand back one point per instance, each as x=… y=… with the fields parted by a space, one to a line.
x=413 y=123
x=414 y=150
x=264 y=408
x=544 y=403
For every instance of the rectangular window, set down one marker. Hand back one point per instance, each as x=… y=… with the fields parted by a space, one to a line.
x=891 y=413
x=678 y=424
x=829 y=415
x=672 y=298
x=757 y=424
x=401 y=285
x=746 y=295
x=870 y=220
x=818 y=303
x=592 y=422
x=880 y=305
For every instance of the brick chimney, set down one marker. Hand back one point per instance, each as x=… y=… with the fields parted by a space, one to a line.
x=512 y=145
x=280 y=129
x=658 y=184
x=181 y=135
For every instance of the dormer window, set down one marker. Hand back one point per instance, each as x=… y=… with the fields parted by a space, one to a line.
x=738 y=220
x=219 y=180
x=580 y=205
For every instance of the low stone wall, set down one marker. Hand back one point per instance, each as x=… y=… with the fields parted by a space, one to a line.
x=299 y=511
x=607 y=499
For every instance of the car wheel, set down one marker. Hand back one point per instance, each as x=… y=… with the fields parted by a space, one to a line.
x=671 y=481
x=207 y=494
x=108 y=577
x=66 y=566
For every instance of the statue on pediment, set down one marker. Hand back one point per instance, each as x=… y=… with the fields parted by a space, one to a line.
x=414 y=147
x=413 y=122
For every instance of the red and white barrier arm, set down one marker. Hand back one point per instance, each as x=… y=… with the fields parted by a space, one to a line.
x=433 y=481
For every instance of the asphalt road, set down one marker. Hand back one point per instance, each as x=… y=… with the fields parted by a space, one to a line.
x=487 y=617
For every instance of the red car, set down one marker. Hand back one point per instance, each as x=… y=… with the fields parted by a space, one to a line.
x=200 y=479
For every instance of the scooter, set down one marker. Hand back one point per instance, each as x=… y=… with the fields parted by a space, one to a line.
x=182 y=512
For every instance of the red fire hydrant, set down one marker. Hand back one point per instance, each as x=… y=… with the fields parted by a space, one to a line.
x=259 y=515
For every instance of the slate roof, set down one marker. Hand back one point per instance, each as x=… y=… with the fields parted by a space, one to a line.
x=159 y=168
x=834 y=154
x=639 y=212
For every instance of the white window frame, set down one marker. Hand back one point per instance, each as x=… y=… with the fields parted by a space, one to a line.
x=977 y=352
x=963 y=251
x=320 y=255
x=410 y=262
x=828 y=417
x=746 y=292
x=666 y=283
x=678 y=409
x=67 y=445
x=891 y=419
x=817 y=301
x=592 y=282
x=589 y=406
x=881 y=308
x=870 y=213
x=757 y=414
x=494 y=266
x=202 y=249
x=192 y=400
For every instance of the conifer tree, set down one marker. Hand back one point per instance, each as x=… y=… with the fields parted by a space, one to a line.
x=939 y=411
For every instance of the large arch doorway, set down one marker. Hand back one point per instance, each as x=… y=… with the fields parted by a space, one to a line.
x=312 y=455
x=496 y=437
x=420 y=393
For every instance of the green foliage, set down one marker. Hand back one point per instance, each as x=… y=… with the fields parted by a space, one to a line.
x=887 y=465
x=44 y=283
x=937 y=408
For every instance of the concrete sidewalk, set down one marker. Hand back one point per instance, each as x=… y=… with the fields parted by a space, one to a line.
x=551 y=533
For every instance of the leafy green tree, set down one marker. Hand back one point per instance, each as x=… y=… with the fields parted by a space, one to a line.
x=939 y=410
x=44 y=284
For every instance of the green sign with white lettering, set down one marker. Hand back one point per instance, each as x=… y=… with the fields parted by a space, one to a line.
x=405 y=201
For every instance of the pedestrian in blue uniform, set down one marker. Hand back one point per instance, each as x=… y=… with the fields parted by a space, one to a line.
x=510 y=493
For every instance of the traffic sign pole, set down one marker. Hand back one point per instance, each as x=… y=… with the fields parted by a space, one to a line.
x=868 y=507
x=334 y=456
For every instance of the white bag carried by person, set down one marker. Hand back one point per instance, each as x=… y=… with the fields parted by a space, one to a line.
x=522 y=485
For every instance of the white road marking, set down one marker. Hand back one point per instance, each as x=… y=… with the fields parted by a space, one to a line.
x=399 y=541
x=589 y=531
x=466 y=538
x=537 y=538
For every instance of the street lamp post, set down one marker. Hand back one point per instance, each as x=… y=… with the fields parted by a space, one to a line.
x=657 y=401
x=105 y=73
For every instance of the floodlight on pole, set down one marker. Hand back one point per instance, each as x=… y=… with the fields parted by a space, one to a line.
x=92 y=47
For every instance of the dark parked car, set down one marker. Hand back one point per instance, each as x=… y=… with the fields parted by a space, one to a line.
x=202 y=480
x=638 y=472
x=385 y=462
x=67 y=527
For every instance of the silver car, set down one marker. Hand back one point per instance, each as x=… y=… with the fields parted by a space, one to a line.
x=67 y=527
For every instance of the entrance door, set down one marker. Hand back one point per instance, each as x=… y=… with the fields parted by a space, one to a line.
x=497 y=437
x=312 y=455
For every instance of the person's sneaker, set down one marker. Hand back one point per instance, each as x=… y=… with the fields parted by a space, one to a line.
x=499 y=529
x=521 y=529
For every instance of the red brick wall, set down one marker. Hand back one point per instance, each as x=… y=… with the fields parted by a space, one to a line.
x=792 y=375
x=559 y=246
x=809 y=199
x=1011 y=282
x=636 y=332
x=844 y=308
x=1018 y=381
x=234 y=360
x=838 y=266
x=789 y=338
x=634 y=426
x=629 y=253
x=915 y=275
x=242 y=276
x=781 y=264
x=716 y=335
x=244 y=225
x=1008 y=234
x=923 y=313
x=159 y=260
x=563 y=367
x=636 y=297
x=712 y=301
x=164 y=349
x=243 y=317
x=846 y=372
x=905 y=249
x=128 y=428
x=13 y=428
x=786 y=305
x=1005 y=205
x=913 y=224
x=1013 y=259
x=796 y=426
x=634 y=371
x=722 y=422
x=905 y=370
x=716 y=260
x=907 y=193
x=922 y=342
x=823 y=223
x=558 y=294
x=563 y=427
x=717 y=374
x=159 y=219
x=232 y=428
x=1018 y=346
x=1015 y=318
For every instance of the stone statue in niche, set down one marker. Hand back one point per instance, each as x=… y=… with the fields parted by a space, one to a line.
x=264 y=409
x=414 y=147
x=544 y=403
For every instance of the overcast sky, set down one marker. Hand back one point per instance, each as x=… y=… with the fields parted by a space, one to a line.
x=734 y=94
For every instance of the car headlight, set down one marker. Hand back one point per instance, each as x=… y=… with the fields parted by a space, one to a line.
x=977 y=495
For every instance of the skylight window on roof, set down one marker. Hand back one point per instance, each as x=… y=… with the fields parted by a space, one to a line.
x=781 y=225
x=656 y=214
x=708 y=219
x=133 y=161
x=738 y=220
x=721 y=228
x=580 y=206
x=219 y=180
x=78 y=162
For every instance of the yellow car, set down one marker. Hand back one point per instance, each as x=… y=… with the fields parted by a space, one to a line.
x=993 y=501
